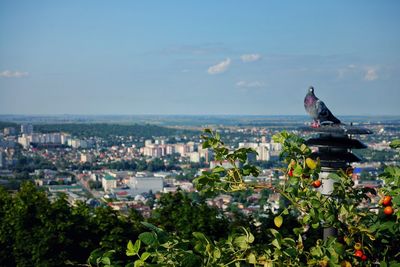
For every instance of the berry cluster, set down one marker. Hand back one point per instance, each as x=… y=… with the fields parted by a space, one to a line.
x=359 y=253
x=387 y=203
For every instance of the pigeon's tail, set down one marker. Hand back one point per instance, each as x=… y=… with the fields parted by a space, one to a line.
x=335 y=120
x=330 y=120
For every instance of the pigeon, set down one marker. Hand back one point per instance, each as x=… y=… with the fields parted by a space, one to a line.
x=318 y=110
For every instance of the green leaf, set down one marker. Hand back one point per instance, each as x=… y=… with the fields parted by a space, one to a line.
x=275 y=243
x=298 y=171
x=315 y=203
x=152 y=227
x=339 y=248
x=291 y=252
x=218 y=169
x=316 y=251
x=250 y=238
x=278 y=220
x=303 y=148
x=395 y=143
x=106 y=260
x=139 y=263
x=147 y=237
x=251 y=258
x=306 y=218
x=241 y=242
x=315 y=225
x=289 y=242
x=133 y=249
x=217 y=253
x=201 y=237
x=275 y=233
x=145 y=255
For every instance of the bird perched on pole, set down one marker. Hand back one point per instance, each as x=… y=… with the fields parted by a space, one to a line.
x=318 y=110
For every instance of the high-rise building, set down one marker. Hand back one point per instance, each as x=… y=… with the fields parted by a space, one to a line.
x=9 y=131
x=26 y=128
x=262 y=149
x=2 y=159
x=24 y=140
x=64 y=138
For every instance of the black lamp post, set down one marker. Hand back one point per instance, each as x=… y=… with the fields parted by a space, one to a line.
x=334 y=144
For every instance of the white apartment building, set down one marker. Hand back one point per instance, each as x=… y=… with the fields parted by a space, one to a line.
x=145 y=184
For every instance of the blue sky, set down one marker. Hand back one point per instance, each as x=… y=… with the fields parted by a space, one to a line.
x=198 y=57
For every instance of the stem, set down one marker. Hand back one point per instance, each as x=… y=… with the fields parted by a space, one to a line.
x=291 y=200
x=235 y=260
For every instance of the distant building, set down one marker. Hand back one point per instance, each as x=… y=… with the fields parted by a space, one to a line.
x=194 y=157
x=146 y=184
x=206 y=153
x=2 y=159
x=64 y=188
x=64 y=138
x=9 y=131
x=148 y=142
x=24 y=141
x=26 y=129
x=225 y=164
x=77 y=143
x=87 y=157
x=262 y=149
x=182 y=149
x=108 y=182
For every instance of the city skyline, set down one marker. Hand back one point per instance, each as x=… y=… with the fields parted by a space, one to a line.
x=101 y=57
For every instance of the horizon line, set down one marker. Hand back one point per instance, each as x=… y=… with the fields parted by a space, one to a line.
x=194 y=115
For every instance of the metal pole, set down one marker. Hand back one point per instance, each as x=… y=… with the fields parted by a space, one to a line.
x=334 y=145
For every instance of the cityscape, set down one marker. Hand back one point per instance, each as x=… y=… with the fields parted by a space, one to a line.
x=131 y=171
x=199 y=133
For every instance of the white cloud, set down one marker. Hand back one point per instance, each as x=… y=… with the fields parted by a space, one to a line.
x=13 y=74
x=250 y=57
x=371 y=74
x=220 y=67
x=252 y=84
x=365 y=72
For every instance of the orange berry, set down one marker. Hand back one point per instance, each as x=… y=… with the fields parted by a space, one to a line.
x=387 y=201
x=364 y=257
x=316 y=183
x=388 y=210
x=358 y=253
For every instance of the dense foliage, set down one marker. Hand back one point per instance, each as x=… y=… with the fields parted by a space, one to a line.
x=37 y=232
x=366 y=234
x=184 y=231
x=181 y=215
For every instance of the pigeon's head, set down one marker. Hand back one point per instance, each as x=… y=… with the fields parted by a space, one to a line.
x=311 y=90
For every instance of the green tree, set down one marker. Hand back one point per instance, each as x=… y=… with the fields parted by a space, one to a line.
x=177 y=213
x=37 y=232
